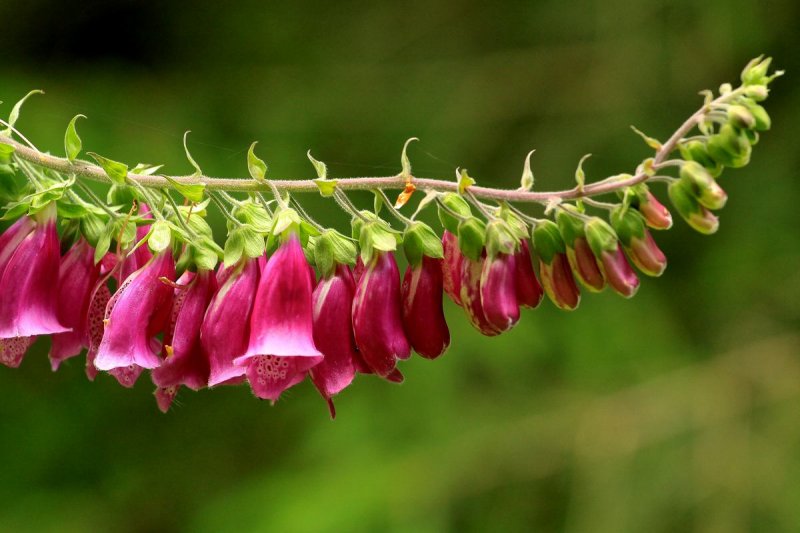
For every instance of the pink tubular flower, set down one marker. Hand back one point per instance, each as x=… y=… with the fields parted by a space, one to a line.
x=281 y=348
x=559 y=284
x=498 y=288
x=584 y=265
x=646 y=255
x=134 y=316
x=333 y=334
x=12 y=350
x=471 y=295
x=184 y=362
x=529 y=291
x=225 y=331
x=76 y=280
x=377 y=322
x=142 y=254
x=654 y=212
x=619 y=273
x=28 y=298
x=95 y=316
x=423 y=317
x=451 y=267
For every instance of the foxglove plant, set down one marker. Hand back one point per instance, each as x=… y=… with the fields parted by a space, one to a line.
x=262 y=317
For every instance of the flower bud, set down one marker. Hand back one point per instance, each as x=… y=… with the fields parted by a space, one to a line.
x=637 y=241
x=741 y=117
x=697 y=150
x=470 y=297
x=423 y=316
x=687 y=205
x=451 y=266
x=705 y=188
x=458 y=205
x=759 y=93
x=655 y=214
x=730 y=147
x=580 y=256
x=498 y=287
x=529 y=291
x=606 y=248
x=762 y=120
x=471 y=238
x=554 y=267
x=755 y=72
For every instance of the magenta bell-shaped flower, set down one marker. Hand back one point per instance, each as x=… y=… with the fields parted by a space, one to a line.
x=377 y=322
x=498 y=288
x=619 y=273
x=529 y=291
x=423 y=316
x=135 y=314
x=77 y=278
x=28 y=298
x=471 y=271
x=184 y=362
x=558 y=282
x=225 y=332
x=281 y=348
x=95 y=322
x=646 y=255
x=654 y=212
x=584 y=265
x=333 y=334
x=142 y=254
x=12 y=350
x=451 y=267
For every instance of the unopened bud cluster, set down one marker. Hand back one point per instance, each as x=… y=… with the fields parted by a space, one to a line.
x=138 y=282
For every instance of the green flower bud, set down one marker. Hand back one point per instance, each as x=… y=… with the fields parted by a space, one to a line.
x=629 y=224
x=696 y=150
x=762 y=120
x=752 y=137
x=755 y=72
x=471 y=238
x=601 y=237
x=741 y=117
x=457 y=204
x=547 y=241
x=729 y=147
x=758 y=93
x=500 y=239
x=687 y=205
x=703 y=185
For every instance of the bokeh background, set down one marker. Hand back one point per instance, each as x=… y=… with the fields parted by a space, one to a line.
x=676 y=411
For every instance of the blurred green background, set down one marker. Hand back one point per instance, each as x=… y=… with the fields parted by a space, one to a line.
x=676 y=411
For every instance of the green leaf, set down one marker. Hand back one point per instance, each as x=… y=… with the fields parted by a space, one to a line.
x=256 y=167
x=15 y=210
x=377 y=203
x=404 y=161
x=70 y=210
x=655 y=144
x=285 y=219
x=319 y=166
x=464 y=181
x=326 y=187
x=191 y=191
x=254 y=244
x=420 y=240
x=116 y=171
x=143 y=169
x=580 y=175
x=160 y=236
x=197 y=171
x=526 y=182
x=12 y=118
x=103 y=245
x=234 y=247
x=72 y=142
x=323 y=255
x=6 y=150
x=205 y=254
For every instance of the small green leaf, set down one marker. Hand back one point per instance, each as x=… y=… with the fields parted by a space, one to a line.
x=256 y=167
x=285 y=219
x=319 y=166
x=12 y=118
x=406 y=172
x=5 y=153
x=70 y=210
x=377 y=203
x=464 y=181
x=234 y=247
x=526 y=182
x=191 y=191
x=323 y=255
x=117 y=172
x=326 y=187
x=72 y=142
x=429 y=197
x=15 y=210
x=143 y=169
x=197 y=171
x=103 y=245
x=160 y=236
x=655 y=144
x=254 y=244
x=580 y=175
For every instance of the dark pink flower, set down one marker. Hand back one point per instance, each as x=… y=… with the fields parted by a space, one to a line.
x=377 y=322
x=183 y=360
x=529 y=291
x=225 y=332
x=28 y=298
x=498 y=288
x=135 y=314
x=618 y=272
x=584 y=265
x=655 y=213
x=646 y=255
x=12 y=350
x=423 y=316
x=451 y=267
x=95 y=317
x=281 y=348
x=333 y=334
x=471 y=295
x=558 y=282
x=76 y=279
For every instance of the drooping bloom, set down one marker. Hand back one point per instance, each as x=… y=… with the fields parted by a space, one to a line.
x=654 y=212
x=135 y=314
x=95 y=318
x=423 y=316
x=498 y=288
x=606 y=248
x=281 y=348
x=333 y=333
x=638 y=242
x=581 y=259
x=377 y=322
x=76 y=279
x=529 y=291
x=691 y=210
x=28 y=298
x=471 y=270
x=183 y=360
x=225 y=332
x=451 y=267
x=12 y=350
x=554 y=268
